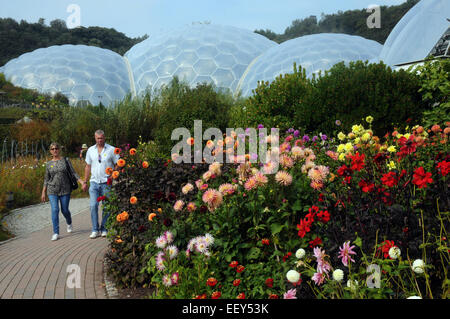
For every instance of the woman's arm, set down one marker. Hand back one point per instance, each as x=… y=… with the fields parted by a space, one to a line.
x=79 y=179
x=44 y=188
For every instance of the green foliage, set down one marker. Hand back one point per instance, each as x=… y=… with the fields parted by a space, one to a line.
x=180 y=105
x=345 y=93
x=19 y=38
x=275 y=104
x=351 y=22
x=155 y=187
x=350 y=93
x=435 y=90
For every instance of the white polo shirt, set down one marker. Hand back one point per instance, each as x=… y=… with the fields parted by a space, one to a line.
x=108 y=159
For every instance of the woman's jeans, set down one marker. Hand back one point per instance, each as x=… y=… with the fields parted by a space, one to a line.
x=54 y=204
x=97 y=190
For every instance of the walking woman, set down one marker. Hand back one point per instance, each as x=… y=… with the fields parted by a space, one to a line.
x=57 y=187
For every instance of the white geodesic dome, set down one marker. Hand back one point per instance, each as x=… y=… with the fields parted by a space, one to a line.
x=79 y=72
x=198 y=53
x=314 y=53
x=417 y=32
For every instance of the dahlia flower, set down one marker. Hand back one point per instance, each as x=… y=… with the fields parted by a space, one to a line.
x=167 y=281
x=172 y=251
x=250 y=184
x=161 y=241
x=226 y=189
x=418 y=266
x=191 y=207
x=338 y=275
x=318 y=278
x=169 y=236
x=283 y=178
x=300 y=253
x=290 y=294
x=394 y=252
x=345 y=251
x=293 y=276
x=178 y=205
x=187 y=188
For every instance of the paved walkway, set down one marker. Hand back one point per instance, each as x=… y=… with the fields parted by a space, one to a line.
x=33 y=266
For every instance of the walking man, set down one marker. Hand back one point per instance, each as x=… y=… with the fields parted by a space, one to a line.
x=98 y=157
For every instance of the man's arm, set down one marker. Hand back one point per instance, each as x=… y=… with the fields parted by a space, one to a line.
x=87 y=173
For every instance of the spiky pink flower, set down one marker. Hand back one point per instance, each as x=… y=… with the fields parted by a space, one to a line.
x=250 y=184
x=283 y=178
x=318 y=278
x=290 y=294
x=187 y=188
x=161 y=241
x=191 y=207
x=175 y=278
x=226 y=189
x=169 y=236
x=286 y=161
x=179 y=204
x=261 y=179
x=344 y=253
x=167 y=281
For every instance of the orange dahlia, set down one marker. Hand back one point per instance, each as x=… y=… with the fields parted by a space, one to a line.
x=151 y=216
x=144 y=164
x=108 y=171
x=133 y=200
x=115 y=174
x=121 y=162
x=132 y=151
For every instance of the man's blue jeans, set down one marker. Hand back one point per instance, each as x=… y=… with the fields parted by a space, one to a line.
x=54 y=204
x=96 y=190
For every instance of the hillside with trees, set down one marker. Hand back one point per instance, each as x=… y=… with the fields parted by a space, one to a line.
x=353 y=22
x=18 y=38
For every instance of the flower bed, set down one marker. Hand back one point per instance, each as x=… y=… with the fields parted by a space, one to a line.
x=352 y=217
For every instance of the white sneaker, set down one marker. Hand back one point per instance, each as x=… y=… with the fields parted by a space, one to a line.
x=69 y=228
x=104 y=233
x=55 y=237
x=94 y=234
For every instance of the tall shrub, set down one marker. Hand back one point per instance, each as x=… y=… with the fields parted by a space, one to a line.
x=181 y=105
x=275 y=104
x=350 y=92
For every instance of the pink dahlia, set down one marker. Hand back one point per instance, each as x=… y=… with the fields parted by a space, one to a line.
x=283 y=178
x=290 y=294
x=344 y=253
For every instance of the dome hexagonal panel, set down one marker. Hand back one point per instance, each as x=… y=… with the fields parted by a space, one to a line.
x=417 y=32
x=78 y=71
x=317 y=52
x=212 y=53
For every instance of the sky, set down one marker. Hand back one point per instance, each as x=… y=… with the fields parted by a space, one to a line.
x=138 y=17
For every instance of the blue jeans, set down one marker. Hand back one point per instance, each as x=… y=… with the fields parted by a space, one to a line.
x=54 y=204
x=96 y=190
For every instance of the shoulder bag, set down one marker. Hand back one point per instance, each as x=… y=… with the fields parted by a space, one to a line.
x=72 y=180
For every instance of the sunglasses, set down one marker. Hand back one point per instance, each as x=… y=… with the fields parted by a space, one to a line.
x=54 y=148
x=99 y=158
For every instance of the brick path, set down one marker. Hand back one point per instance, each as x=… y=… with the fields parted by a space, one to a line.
x=34 y=267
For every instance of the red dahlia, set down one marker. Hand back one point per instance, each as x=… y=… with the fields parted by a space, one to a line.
x=443 y=168
x=357 y=161
x=421 y=178
x=389 y=179
x=240 y=268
